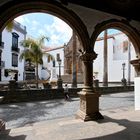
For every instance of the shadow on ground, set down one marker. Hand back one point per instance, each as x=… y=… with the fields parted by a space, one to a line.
x=6 y=136
x=131 y=131
x=25 y=113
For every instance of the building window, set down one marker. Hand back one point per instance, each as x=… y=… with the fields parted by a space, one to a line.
x=15 y=37
x=14 y=60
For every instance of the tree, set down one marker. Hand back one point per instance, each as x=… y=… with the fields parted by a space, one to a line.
x=33 y=52
x=9 y=26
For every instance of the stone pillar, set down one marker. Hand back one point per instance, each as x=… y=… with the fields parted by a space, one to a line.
x=12 y=85
x=89 y=99
x=74 y=62
x=105 y=72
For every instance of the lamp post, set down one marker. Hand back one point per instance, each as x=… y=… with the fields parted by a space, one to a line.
x=123 y=79
x=59 y=80
x=129 y=66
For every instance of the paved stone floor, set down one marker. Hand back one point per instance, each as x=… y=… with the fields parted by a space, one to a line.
x=24 y=114
x=118 y=124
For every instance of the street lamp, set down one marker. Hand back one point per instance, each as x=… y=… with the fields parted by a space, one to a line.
x=123 y=79
x=59 y=63
x=59 y=80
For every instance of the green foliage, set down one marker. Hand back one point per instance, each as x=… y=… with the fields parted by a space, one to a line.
x=9 y=26
x=33 y=51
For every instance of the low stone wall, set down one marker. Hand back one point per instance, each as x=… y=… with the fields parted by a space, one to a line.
x=48 y=94
x=31 y=95
x=114 y=89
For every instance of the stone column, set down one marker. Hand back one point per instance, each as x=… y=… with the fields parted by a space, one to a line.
x=74 y=62
x=89 y=99
x=105 y=72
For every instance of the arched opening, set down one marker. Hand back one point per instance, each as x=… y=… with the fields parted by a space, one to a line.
x=115 y=74
x=119 y=51
x=13 y=10
x=54 y=8
x=121 y=25
x=32 y=106
x=133 y=39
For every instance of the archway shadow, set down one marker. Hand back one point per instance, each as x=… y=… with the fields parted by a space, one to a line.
x=131 y=130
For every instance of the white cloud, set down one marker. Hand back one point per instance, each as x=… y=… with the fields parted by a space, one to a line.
x=35 y=27
x=41 y=32
x=35 y=23
x=62 y=31
x=59 y=32
x=55 y=39
x=23 y=20
x=20 y=19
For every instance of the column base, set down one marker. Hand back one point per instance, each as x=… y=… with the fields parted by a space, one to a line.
x=89 y=106
x=89 y=117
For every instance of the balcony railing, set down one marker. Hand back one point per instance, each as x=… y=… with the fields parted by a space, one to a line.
x=2 y=45
x=16 y=49
x=2 y=64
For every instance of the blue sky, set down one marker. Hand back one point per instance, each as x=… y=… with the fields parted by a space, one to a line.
x=45 y=24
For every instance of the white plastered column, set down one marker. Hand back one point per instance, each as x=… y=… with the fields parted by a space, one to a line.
x=136 y=64
x=137 y=93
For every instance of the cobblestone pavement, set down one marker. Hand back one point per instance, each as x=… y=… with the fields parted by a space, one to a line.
x=23 y=114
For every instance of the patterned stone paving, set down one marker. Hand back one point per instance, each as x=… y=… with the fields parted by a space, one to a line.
x=24 y=114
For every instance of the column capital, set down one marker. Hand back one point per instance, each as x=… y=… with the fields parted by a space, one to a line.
x=88 y=56
x=136 y=64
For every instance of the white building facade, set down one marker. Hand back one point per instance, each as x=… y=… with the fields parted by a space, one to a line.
x=11 y=66
x=57 y=52
x=120 y=51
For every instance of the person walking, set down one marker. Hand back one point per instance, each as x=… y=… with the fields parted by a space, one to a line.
x=66 y=91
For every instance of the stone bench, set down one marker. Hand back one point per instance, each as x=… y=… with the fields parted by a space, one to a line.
x=2 y=125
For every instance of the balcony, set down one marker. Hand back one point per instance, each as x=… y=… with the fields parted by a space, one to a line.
x=1 y=45
x=15 y=49
x=2 y=64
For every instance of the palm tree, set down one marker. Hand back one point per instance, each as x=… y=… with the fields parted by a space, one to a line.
x=9 y=26
x=33 y=52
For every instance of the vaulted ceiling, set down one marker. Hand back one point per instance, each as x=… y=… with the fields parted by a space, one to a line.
x=125 y=8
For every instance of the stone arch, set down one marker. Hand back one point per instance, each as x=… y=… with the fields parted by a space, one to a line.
x=12 y=9
x=122 y=25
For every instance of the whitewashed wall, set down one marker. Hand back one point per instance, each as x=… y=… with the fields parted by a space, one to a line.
x=7 y=54
x=115 y=71
x=44 y=74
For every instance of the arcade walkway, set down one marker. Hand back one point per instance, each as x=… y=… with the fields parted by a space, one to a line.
x=119 y=124
x=54 y=120
x=22 y=114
